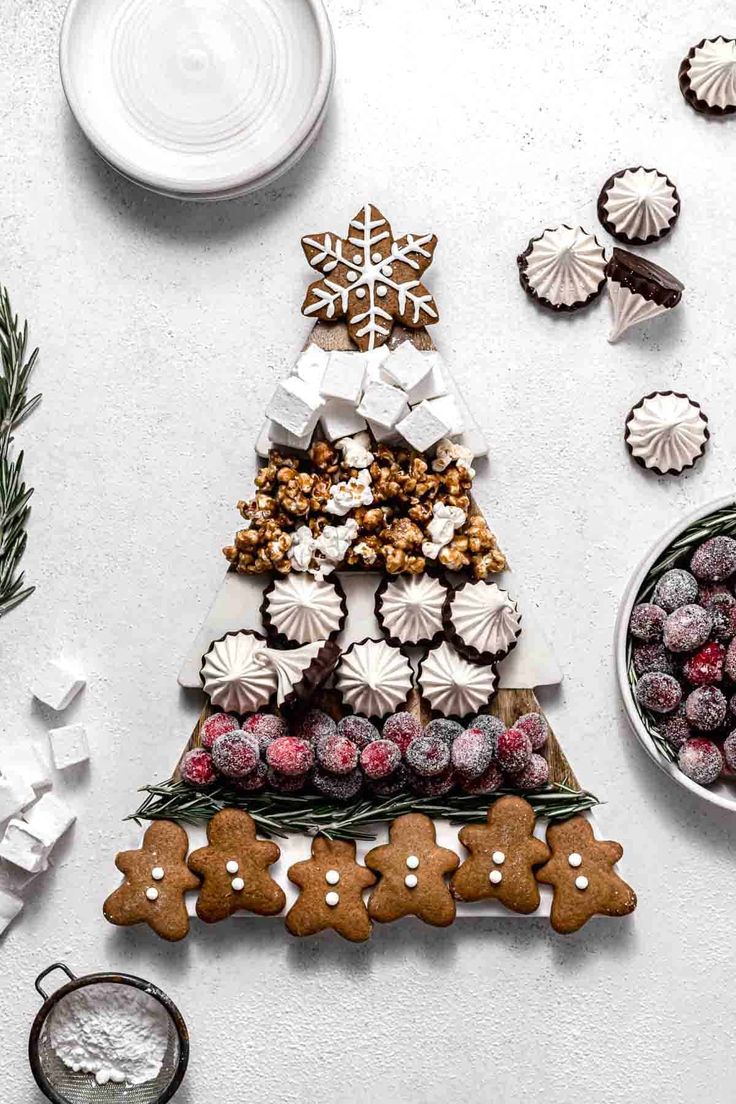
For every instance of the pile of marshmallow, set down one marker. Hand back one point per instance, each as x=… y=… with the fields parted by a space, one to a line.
x=400 y=395
x=32 y=818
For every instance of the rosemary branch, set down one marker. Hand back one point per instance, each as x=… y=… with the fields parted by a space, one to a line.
x=15 y=373
x=279 y=814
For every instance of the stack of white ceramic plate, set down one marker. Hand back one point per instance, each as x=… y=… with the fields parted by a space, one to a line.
x=198 y=99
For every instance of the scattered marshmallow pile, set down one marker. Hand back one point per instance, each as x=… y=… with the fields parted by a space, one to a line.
x=399 y=394
x=32 y=818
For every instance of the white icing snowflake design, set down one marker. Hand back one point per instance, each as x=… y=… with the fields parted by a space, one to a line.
x=370 y=279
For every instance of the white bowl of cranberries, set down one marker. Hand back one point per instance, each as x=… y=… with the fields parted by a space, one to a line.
x=676 y=652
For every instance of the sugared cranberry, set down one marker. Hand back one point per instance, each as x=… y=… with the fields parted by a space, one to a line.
x=492 y=726
x=338 y=787
x=217 y=725
x=436 y=786
x=380 y=758
x=286 y=783
x=429 y=756
x=486 y=783
x=472 y=752
x=255 y=781
x=443 y=729
x=197 y=768
x=534 y=775
x=358 y=729
x=536 y=728
x=722 y=608
x=266 y=727
x=676 y=588
x=729 y=751
x=647 y=622
x=392 y=784
x=676 y=730
x=729 y=664
x=658 y=692
x=700 y=760
x=514 y=750
x=652 y=657
x=715 y=560
x=687 y=628
x=401 y=729
x=705 y=708
x=235 y=754
x=706 y=666
x=290 y=755
x=314 y=725
x=337 y=754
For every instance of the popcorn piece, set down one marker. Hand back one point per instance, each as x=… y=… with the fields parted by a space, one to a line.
x=340 y=419
x=345 y=497
x=424 y=426
x=10 y=906
x=331 y=547
x=15 y=794
x=56 y=685
x=343 y=378
x=23 y=846
x=295 y=405
x=49 y=819
x=69 y=746
x=441 y=529
x=301 y=549
x=311 y=364
x=449 y=452
x=355 y=451
x=446 y=409
x=384 y=404
x=433 y=384
x=31 y=765
x=277 y=435
x=406 y=366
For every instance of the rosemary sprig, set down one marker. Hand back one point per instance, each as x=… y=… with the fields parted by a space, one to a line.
x=721 y=522
x=278 y=814
x=15 y=373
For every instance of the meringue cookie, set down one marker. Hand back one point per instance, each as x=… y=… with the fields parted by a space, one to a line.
x=708 y=76
x=232 y=675
x=563 y=269
x=485 y=624
x=374 y=678
x=345 y=497
x=638 y=290
x=409 y=608
x=452 y=686
x=638 y=206
x=666 y=432
x=303 y=609
x=299 y=671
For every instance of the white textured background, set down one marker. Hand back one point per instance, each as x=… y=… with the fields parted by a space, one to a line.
x=163 y=328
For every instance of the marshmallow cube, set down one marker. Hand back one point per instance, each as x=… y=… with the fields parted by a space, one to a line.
x=433 y=384
x=56 y=686
x=373 y=362
x=31 y=765
x=406 y=366
x=10 y=906
x=446 y=409
x=311 y=364
x=384 y=404
x=13 y=879
x=24 y=847
x=340 y=419
x=69 y=746
x=343 y=378
x=384 y=435
x=15 y=794
x=277 y=435
x=424 y=426
x=49 y=819
x=295 y=405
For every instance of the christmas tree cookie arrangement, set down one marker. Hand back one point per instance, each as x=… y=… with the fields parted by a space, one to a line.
x=368 y=661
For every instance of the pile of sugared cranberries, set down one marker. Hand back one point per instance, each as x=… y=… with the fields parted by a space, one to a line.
x=340 y=760
x=684 y=656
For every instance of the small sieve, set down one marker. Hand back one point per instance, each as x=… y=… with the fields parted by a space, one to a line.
x=63 y=1086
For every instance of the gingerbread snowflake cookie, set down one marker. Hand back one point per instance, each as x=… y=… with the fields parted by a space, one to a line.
x=156 y=879
x=581 y=872
x=331 y=886
x=234 y=869
x=413 y=870
x=370 y=278
x=503 y=855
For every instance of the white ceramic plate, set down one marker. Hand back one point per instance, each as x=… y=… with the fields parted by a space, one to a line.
x=722 y=793
x=198 y=99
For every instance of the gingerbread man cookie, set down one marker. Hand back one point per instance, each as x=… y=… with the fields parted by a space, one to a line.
x=156 y=879
x=412 y=869
x=331 y=896
x=581 y=872
x=370 y=278
x=503 y=854
x=234 y=869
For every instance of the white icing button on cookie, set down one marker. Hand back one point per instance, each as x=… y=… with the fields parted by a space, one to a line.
x=231 y=866
x=498 y=857
x=381 y=291
x=238 y=885
x=581 y=882
x=410 y=881
x=360 y=293
x=495 y=877
x=332 y=877
x=387 y=270
x=412 y=862
x=357 y=259
x=332 y=898
x=352 y=276
x=575 y=860
x=157 y=873
x=376 y=258
x=152 y=893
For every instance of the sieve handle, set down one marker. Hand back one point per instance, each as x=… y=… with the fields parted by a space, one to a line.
x=49 y=970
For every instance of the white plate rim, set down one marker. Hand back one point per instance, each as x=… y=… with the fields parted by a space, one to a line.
x=302 y=138
x=620 y=640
